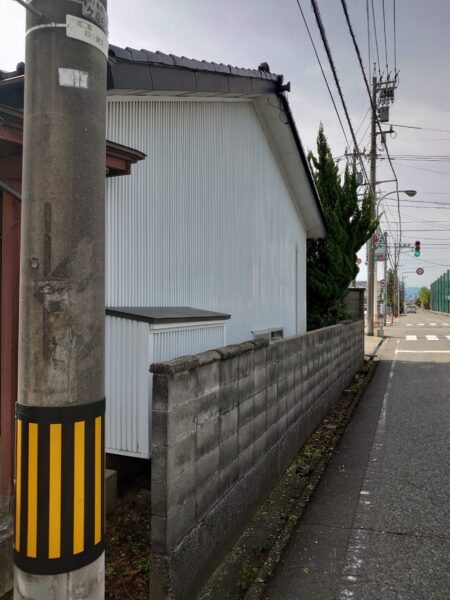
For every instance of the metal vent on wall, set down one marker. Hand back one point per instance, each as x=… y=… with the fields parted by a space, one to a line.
x=269 y=334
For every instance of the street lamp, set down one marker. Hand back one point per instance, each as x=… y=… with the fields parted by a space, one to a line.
x=409 y=193
x=371 y=265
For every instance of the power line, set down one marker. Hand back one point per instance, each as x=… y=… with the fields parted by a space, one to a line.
x=358 y=53
x=336 y=79
x=385 y=42
x=368 y=35
x=395 y=41
x=323 y=72
x=418 y=127
x=376 y=37
x=423 y=169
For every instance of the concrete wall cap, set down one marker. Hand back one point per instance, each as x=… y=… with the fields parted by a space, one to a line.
x=247 y=346
x=260 y=343
x=182 y=363
x=208 y=357
x=229 y=351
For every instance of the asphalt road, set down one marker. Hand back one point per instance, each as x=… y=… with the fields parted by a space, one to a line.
x=378 y=525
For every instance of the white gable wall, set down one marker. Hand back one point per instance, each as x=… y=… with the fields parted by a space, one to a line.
x=206 y=220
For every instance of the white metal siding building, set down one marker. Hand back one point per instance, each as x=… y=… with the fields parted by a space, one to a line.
x=207 y=219
x=216 y=218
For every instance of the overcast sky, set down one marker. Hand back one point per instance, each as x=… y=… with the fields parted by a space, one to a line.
x=245 y=33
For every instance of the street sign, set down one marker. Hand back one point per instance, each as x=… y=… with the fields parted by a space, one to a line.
x=419 y=271
x=380 y=249
x=383 y=283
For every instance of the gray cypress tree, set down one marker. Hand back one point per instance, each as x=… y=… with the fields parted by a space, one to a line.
x=331 y=262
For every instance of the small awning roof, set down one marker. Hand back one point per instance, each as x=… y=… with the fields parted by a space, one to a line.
x=119 y=158
x=166 y=314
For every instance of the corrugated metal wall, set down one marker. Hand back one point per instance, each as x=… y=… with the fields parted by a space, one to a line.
x=131 y=346
x=206 y=219
x=128 y=387
x=191 y=340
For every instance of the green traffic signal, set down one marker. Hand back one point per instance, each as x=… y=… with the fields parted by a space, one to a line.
x=417 y=249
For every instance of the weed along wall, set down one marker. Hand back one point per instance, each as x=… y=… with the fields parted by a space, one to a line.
x=226 y=424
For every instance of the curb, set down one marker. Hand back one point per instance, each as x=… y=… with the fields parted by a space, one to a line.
x=267 y=569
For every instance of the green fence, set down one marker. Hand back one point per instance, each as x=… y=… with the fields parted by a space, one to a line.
x=440 y=292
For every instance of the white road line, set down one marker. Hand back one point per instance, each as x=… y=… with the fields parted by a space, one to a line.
x=432 y=338
x=411 y=338
x=409 y=324
x=420 y=324
x=433 y=324
x=422 y=351
x=445 y=324
x=448 y=337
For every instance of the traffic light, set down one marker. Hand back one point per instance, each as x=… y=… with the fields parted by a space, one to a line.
x=417 y=249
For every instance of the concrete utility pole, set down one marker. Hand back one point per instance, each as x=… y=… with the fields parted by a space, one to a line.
x=385 y=278
x=59 y=529
x=370 y=244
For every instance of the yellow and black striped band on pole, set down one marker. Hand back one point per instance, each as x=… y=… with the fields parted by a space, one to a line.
x=60 y=487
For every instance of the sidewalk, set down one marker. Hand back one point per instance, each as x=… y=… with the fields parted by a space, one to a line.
x=377 y=526
x=371 y=345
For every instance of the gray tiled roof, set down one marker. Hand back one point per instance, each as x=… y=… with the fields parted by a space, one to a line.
x=159 y=58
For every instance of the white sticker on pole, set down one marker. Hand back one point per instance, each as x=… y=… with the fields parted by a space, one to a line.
x=85 y=31
x=73 y=78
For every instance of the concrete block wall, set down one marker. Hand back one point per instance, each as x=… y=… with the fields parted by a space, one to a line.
x=226 y=425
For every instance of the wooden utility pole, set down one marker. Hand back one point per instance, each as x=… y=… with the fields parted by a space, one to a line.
x=59 y=528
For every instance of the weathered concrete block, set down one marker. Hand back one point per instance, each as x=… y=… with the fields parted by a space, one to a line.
x=208 y=378
x=207 y=494
x=168 y=531
x=290 y=381
x=272 y=414
x=246 y=460
x=174 y=458
x=229 y=450
x=260 y=358
x=272 y=394
x=260 y=447
x=229 y=475
x=207 y=408
x=260 y=424
x=246 y=411
x=207 y=465
x=246 y=362
x=260 y=378
x=282 y=425
x=246 y=387
x=229 y=396
x=260 y=402
x=281 y=387
x=229 y=370
x=272 y=435
x=229 y=423
x=168 y=496
x=290 y=399
x=169 y=427
x=208 y=437
x=246 y=435
x=171 y=392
